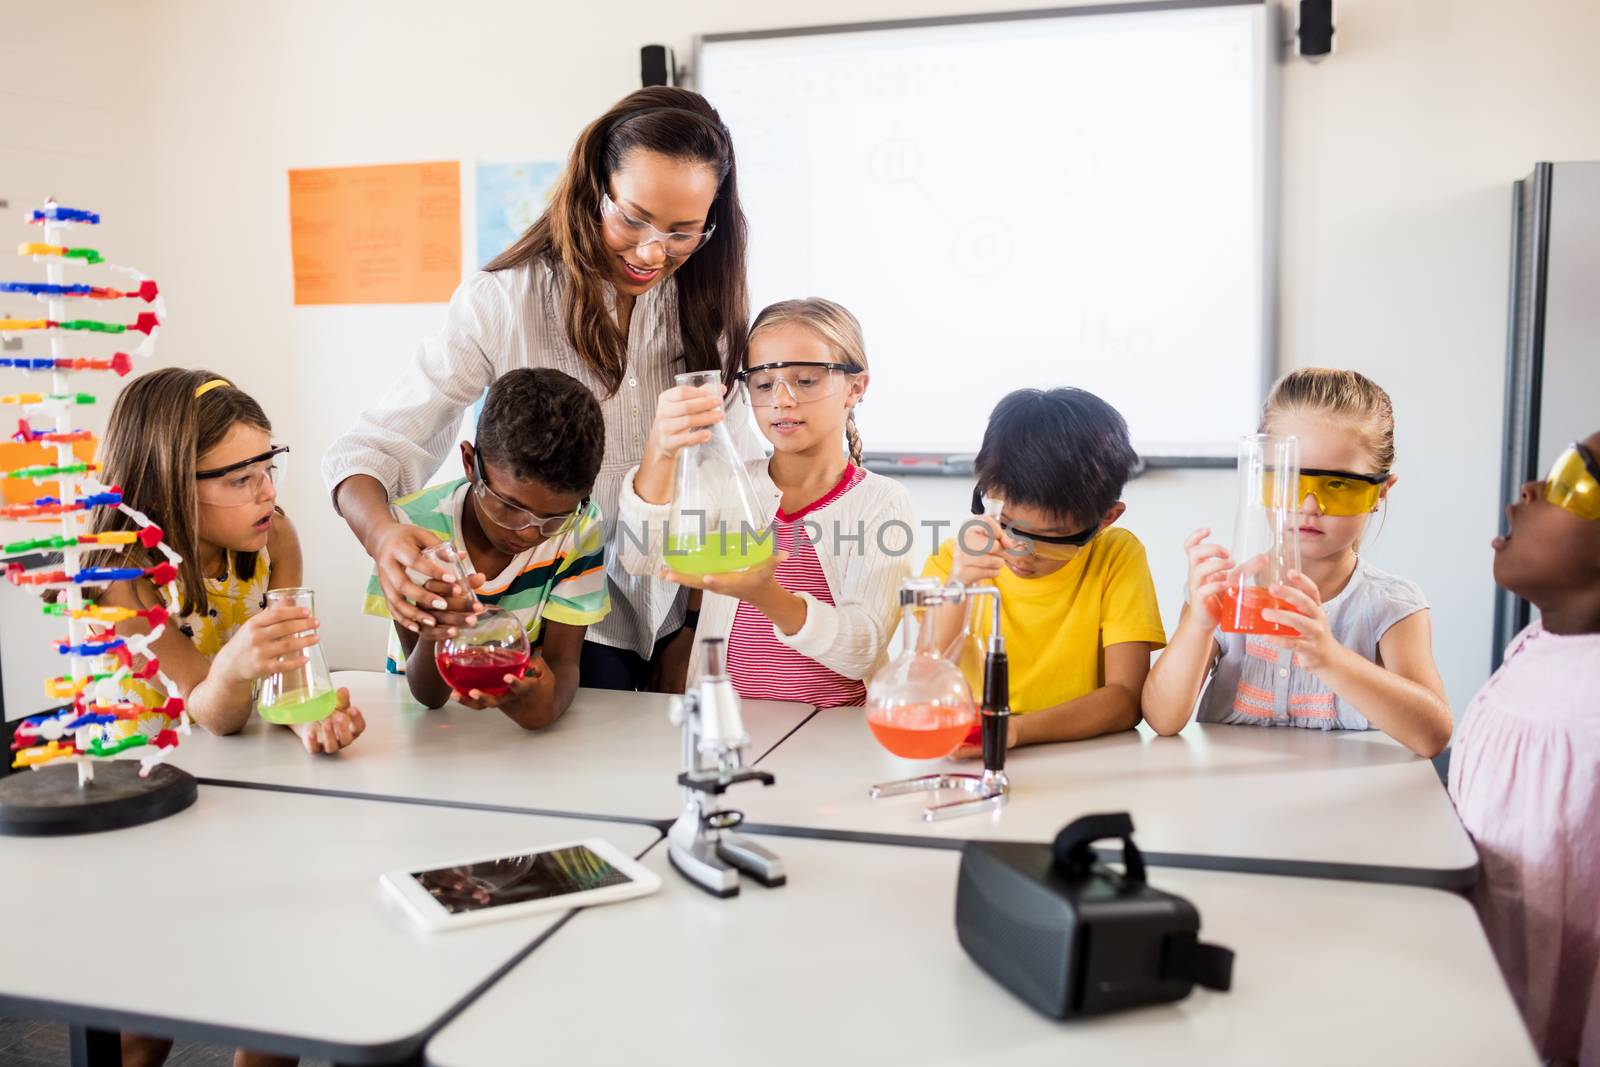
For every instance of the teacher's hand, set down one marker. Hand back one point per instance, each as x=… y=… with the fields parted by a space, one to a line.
x=397 y=548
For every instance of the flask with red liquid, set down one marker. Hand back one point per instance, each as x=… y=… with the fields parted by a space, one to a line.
x=1266 y=536
x=481 y=655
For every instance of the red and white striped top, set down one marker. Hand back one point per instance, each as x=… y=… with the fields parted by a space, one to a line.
x=764 y=668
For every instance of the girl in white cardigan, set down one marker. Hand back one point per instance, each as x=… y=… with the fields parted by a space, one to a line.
x=813 y=622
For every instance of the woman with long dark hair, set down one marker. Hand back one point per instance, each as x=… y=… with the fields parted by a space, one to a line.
x=634 y=273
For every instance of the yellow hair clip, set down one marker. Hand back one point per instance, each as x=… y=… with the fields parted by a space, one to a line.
x=212 y=384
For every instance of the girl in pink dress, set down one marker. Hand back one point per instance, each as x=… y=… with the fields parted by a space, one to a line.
x=1525 y=772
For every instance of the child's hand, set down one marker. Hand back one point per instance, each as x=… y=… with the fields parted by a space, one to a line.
x=748 y=585
x=972 y=747
x=979 y=555
x=1316 y=646
x=273 y=641
x=1210 y=568
x=684 y=416
x=530 y=700
x=337 y=731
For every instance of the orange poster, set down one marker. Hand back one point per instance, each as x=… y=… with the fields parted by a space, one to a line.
x=376 y=235
x=23 y=491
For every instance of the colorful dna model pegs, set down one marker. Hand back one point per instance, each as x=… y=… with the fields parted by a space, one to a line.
x=119 y=706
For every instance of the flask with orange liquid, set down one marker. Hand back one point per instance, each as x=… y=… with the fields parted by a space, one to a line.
x=920 y=706
x=1266 y=535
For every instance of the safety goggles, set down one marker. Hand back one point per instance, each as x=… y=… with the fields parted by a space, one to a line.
x=1055 y=547
x=244 y=482
x=1336 y=492
x=804 y=382
x=1574 y=482
x=508 y=516
x=639 y=233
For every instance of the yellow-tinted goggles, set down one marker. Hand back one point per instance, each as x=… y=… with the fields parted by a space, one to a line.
x=1574 y=482
x=1336 y=492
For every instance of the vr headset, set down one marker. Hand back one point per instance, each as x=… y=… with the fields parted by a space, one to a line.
x=1073 y=937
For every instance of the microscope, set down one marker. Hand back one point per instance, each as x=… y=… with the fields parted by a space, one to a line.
x=701 y=844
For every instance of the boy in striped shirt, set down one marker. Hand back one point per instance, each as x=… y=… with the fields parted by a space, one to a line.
x=524 y=517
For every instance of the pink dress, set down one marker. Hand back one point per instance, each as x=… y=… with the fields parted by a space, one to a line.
x=764 y=668
x=1525 y=778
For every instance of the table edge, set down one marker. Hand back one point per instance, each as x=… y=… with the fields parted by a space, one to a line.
x=1451 y=879
x=431 y=802
x=400 y=1049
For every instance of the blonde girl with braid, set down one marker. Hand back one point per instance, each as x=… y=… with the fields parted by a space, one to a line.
x=811 y=623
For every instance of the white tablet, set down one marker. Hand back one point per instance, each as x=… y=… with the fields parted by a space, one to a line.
x=578 y=874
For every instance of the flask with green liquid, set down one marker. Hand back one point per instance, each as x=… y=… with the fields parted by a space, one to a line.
x=297 y=694
x=715 y=524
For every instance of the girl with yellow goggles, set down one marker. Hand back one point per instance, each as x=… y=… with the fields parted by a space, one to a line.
x=1336 y=492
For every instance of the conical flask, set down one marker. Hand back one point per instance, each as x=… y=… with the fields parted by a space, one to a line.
x=298 y=694
x=920 y=706
x=715 y=523
x=1266 y=535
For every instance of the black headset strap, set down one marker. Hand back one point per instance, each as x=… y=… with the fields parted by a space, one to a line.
x=1191 y=960
x=1074 y=847
x=1186 y=958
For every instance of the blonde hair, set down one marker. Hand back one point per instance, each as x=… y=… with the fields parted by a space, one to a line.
x=838 y=329
x=1344 y=395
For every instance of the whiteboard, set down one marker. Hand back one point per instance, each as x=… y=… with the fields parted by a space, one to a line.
x=1070 y=197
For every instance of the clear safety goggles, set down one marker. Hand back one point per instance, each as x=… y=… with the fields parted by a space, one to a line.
x=804 y=382
x=638 y=233
x=244 y=482
x=508 y=516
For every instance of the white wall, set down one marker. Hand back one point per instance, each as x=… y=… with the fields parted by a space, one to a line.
x=1398 y=154
x=68 y=128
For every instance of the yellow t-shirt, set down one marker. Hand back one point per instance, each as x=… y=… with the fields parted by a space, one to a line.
x=1057 y=627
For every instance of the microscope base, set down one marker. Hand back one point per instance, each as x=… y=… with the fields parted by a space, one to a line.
x=986 y=792
x=714 y=864
x=700 y=865
x=752 y=859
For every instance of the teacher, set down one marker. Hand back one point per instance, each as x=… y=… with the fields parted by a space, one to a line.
x=635 y=272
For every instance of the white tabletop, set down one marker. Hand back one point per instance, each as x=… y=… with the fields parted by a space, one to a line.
x=1336 y=804
x=257 y=917
x=612 y=754
x=856 y=961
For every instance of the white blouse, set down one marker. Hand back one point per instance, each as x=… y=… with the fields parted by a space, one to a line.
x=498 y=322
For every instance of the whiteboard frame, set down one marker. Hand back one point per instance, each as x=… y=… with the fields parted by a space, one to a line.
x=1270 y=41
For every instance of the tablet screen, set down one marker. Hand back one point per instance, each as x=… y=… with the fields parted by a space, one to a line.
x=514 y=879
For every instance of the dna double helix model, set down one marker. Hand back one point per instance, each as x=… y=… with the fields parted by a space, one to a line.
x=112 y=708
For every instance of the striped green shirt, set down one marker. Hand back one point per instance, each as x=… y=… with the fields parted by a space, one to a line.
x=562 y=579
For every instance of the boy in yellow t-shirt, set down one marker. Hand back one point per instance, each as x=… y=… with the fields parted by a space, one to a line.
x=1078 y=605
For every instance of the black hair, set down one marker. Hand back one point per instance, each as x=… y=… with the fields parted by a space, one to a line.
x=546 y=427
x=1064 y=451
